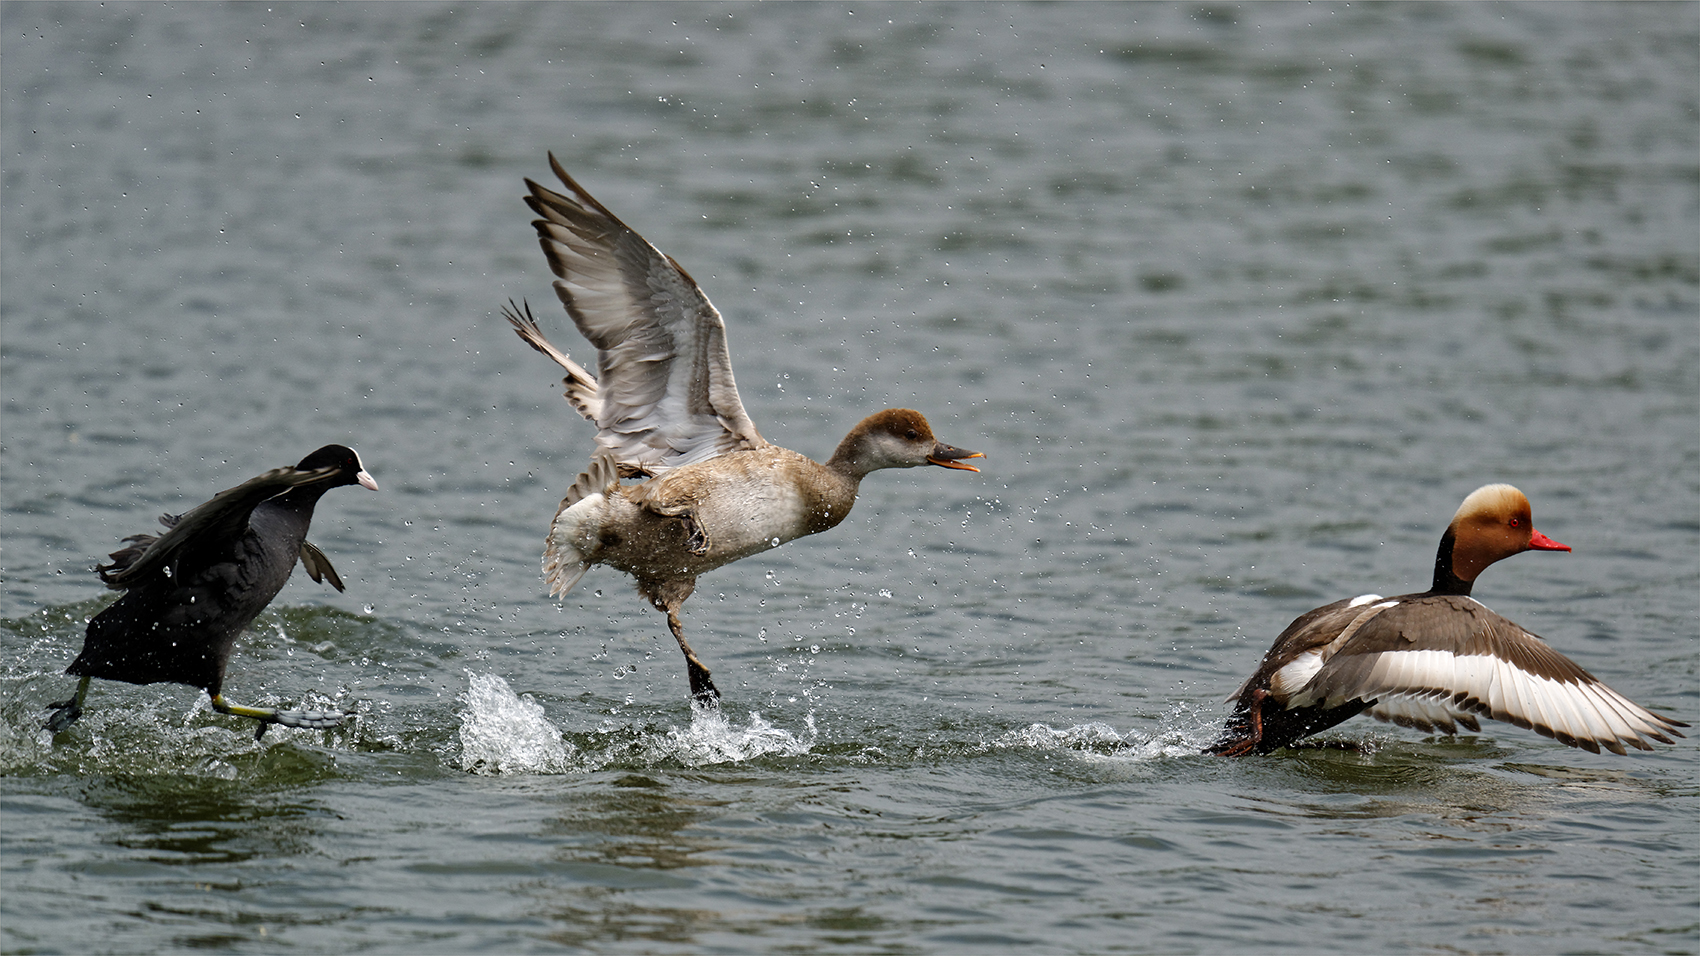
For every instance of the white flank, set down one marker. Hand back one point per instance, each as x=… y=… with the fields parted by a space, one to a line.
x=1287 y=681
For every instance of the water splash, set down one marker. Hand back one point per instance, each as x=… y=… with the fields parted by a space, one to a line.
x=712 y=739
x=1182 y=734
x=126 y=733
x=1096 y=736
x=502 y=732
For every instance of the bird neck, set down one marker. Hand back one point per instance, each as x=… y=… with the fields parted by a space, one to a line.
x=1445 y=580
x=300 y=500
x=849 y=460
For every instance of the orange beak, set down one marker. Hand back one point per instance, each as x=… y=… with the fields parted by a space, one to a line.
x=949 y=456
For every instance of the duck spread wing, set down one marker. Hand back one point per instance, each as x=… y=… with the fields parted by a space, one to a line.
x=221 y=518
x=1430 y=662
x=583 y=391
x=666 y=396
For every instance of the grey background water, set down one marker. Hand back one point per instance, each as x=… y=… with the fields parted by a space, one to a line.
x=1239 y=301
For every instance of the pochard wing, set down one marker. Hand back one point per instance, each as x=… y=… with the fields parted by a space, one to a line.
x=666 y=395
x=1429 y=661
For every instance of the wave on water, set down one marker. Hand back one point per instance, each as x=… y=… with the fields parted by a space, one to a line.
x=502 y=732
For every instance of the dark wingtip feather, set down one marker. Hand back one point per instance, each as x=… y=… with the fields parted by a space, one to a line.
x=122 y=559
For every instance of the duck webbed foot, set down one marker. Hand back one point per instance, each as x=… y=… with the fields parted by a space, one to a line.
x=310 y=719
x=703 y=692
x=66 y=712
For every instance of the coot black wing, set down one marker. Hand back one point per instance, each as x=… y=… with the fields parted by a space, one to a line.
x=222 y=518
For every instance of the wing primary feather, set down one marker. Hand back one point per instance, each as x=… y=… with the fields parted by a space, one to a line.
x=664 y=394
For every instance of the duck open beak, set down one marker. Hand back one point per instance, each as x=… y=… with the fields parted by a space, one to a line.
x=1540 y=542
x=949 y=456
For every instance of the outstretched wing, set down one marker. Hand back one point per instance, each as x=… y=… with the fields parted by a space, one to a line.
x=583 y=392
x=664 y=394
x=1432 y=661
x=222 y=517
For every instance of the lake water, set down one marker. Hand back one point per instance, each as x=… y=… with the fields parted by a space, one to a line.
x=1239 y=301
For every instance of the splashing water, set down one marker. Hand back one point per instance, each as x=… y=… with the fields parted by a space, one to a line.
x=502 y=732
x=712 y=739
x=1183 y=734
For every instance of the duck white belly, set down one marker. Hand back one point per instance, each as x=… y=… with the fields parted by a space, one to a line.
x=699 y=517
x=748 y=502
x=751 y=517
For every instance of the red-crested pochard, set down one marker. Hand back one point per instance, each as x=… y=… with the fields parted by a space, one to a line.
x=667 y=411
x=1435 y=660
x=191 y=591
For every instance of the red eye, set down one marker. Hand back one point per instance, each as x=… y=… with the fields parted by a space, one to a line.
x=1516 y=523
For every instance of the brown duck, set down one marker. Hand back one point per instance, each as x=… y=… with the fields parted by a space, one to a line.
x=709 y=489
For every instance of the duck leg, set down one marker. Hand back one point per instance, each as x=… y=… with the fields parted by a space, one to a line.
x=67 y=711
x=1251 y=734
x=703 y=690
x=312 y=719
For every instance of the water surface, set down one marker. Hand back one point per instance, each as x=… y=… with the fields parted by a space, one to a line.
x=1239 y=301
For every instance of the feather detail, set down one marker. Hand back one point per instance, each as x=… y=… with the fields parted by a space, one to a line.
x=664 y=396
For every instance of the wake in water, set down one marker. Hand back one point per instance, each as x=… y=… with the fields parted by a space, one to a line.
x=168 y=729
x=1184 y=733
x=146 y=733
x=502 y=732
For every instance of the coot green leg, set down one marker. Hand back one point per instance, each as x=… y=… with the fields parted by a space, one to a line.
x=66 y=712
x=311 y=719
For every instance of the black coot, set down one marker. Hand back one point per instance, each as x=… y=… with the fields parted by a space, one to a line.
x=191 y=591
